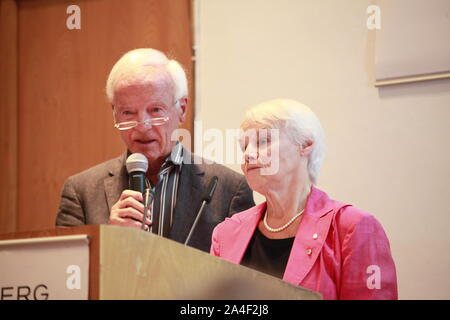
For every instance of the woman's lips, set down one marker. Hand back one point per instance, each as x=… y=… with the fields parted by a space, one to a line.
x=252 y=168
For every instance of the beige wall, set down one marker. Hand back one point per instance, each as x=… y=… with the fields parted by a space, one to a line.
x=388 y=150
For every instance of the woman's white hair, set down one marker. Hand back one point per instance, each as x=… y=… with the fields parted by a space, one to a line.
x=138 y=64
x=301 y=125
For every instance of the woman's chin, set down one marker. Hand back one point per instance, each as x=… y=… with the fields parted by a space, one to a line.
x=258 y=186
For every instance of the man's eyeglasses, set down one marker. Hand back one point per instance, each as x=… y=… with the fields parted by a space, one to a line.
x=158 y=118
x=127 y=125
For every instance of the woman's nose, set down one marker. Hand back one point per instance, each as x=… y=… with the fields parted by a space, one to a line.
x=250 y=154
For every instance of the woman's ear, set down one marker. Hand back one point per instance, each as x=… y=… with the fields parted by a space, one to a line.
x=306 y=148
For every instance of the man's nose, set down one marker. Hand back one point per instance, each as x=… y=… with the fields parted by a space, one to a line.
x=144 y=123
x=142 y=127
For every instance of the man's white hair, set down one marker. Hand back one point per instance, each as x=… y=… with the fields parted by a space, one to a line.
x=301 y=125
x=138 y=64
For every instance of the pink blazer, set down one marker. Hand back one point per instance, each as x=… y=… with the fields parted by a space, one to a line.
x=338 y=251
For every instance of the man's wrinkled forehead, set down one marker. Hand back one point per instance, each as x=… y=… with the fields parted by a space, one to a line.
x=150 y=85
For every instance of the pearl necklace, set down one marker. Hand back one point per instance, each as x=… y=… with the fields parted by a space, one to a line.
x=282 y=227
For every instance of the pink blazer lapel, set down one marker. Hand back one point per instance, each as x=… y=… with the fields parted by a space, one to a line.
x=241 y=235
x=310 y=236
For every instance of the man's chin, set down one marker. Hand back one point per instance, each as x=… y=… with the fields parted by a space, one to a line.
x=149 y=153
x=151 y=156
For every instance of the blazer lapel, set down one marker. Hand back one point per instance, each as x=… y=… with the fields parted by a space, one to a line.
x=307 y=247
x=117 y=181
x=188 y=200
x=245 y=232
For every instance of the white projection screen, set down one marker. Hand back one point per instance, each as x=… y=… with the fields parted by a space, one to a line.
x=413 y=43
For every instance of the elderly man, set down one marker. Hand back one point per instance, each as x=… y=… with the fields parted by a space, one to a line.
x=149 y=94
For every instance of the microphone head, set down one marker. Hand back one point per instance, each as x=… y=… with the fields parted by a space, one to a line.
x=137 y=162
x=211 y=188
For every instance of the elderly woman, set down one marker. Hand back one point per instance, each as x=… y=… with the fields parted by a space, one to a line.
x=299 y=234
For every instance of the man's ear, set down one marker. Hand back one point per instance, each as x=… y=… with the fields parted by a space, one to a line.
x=183 y=108
x=306 y=148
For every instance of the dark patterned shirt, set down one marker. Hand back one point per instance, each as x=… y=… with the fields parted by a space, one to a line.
x=166 y=192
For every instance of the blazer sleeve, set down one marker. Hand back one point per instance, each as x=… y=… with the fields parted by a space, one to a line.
x=368 y=269
x=242 y=199
x=70 y=211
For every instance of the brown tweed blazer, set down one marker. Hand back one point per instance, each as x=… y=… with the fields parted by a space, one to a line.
x=87 y=197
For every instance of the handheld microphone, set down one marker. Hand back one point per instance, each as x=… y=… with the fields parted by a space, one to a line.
x=205 y=200
x=137 y=165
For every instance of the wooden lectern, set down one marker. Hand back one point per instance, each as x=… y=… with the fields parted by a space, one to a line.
x=127 y=263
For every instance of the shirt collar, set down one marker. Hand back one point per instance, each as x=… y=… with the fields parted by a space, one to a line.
x=176 y=156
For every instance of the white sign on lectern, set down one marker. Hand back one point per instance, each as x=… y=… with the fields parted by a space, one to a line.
x=45 y=268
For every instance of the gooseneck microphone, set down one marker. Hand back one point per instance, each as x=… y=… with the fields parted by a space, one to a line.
x=205 y=200
x=137 y=165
